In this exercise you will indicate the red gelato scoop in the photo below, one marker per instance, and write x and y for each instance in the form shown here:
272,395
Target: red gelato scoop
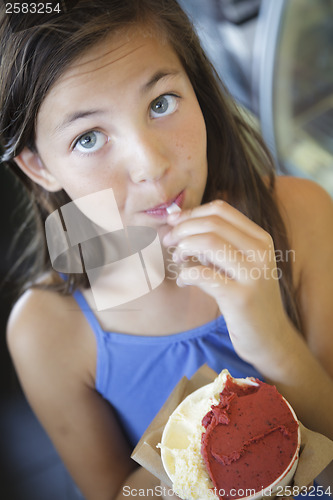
250,439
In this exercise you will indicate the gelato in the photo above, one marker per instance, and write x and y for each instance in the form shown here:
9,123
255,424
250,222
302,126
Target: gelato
233,438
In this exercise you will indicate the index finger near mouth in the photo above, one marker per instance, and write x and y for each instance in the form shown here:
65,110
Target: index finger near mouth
224,210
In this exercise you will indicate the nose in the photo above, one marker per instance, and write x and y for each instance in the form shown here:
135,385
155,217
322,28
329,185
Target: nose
148,159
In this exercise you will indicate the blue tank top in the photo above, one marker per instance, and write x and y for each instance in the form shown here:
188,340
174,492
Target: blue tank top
136,373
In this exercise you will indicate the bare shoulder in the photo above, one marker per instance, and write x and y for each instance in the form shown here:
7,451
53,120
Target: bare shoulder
52,346
303,200
44,324
307,210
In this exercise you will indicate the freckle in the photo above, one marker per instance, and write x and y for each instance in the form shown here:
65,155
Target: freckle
189,157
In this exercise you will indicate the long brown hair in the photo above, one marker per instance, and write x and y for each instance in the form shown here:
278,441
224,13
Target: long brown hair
33,58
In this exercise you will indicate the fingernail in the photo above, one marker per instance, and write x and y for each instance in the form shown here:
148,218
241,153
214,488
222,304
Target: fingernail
175,257
167,240
180,282
173,216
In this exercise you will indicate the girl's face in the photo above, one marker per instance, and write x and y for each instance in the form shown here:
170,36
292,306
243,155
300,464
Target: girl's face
125,116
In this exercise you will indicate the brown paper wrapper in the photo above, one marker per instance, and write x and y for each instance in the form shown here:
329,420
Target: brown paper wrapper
316,451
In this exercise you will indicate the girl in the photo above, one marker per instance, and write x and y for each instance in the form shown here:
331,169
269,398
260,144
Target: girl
118,94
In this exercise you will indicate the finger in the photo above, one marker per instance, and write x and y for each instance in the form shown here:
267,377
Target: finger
213,251
210,225
223,210
213,282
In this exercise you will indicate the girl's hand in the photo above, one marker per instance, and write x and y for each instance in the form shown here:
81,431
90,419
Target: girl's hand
237,267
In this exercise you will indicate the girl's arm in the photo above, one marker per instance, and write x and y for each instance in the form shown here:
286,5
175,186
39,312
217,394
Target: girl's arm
51,359
239,270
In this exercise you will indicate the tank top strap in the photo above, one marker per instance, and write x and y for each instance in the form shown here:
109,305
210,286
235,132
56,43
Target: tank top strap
102,361
87,311
85,308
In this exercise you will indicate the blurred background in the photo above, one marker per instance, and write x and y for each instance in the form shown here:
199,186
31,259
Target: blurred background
276,58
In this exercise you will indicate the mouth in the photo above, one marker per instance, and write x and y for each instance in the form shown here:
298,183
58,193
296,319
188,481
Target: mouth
160,211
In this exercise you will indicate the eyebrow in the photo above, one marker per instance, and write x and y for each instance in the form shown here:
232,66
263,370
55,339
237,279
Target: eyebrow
78,115
159,75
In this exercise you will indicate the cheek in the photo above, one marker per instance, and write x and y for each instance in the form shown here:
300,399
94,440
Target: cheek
100,181
194,144
195,130
81,178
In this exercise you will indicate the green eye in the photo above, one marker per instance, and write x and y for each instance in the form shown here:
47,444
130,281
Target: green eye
164,105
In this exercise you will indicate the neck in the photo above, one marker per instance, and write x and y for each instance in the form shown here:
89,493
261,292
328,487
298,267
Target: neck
166,310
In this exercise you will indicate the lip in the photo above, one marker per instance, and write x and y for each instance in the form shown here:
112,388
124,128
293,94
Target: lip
160,211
